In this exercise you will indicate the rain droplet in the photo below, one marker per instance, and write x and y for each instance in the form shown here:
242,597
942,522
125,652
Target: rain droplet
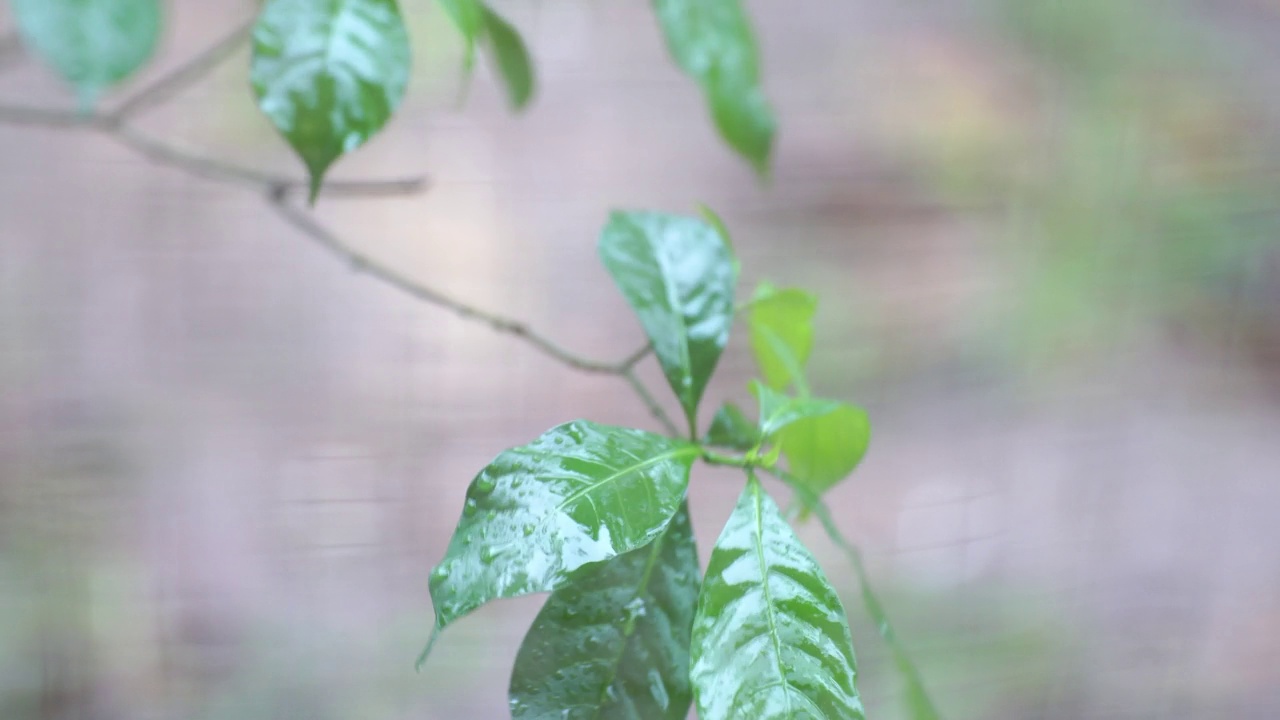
483,485
469,508
527,529
488,554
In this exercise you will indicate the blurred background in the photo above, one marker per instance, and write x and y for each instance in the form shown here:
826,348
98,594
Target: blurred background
1044,235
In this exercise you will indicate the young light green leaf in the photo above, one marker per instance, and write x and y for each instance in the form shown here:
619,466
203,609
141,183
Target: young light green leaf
770,637
92,44
511,57
712,42
678,275
781,327
579,494
329,74
468,17
821,451
777,411
615,643
732,429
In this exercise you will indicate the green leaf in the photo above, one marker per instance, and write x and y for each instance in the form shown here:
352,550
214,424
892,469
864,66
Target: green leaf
92,44
777,411
678,275
770,637
579,494
615,643
821,451
712,42
478,23
781,327
732,429
512,59
468,17
329,74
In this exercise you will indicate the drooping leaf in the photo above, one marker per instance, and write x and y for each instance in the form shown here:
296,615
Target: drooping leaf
329,74
468,17
777,411
479,24
732,429
712,42
678,275
821,451
92,44
579,494
770,637
615,643
511,57
781,325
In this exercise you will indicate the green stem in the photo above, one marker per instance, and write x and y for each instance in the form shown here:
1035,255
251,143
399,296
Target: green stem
918,701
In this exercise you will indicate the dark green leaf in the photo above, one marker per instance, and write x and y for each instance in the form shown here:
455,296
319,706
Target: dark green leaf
479,23
615,643
93,44
732,429
821,451
579,494
777,411
678,275
712,42
770,638
781,323
512,58
329,74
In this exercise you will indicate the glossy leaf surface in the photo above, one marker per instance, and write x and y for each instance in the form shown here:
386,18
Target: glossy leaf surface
777,411
92,44
821,451
678,275
781,328
329,74
579,494
712,42
731,428
770,637
615,642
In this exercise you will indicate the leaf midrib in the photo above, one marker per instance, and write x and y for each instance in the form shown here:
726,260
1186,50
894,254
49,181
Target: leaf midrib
649,565
764,587
582,492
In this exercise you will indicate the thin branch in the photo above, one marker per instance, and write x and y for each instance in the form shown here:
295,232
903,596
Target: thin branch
362,263
217,170
649,401
46,117
184,75
918,701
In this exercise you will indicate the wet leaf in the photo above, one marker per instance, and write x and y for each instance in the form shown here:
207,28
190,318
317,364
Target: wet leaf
770,637
538,514
329,74
678,275
92,44
781,328
777,411
731,428
821,451
615,643
712,42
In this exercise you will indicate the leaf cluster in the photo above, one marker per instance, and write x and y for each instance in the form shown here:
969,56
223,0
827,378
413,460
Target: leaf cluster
330,74
597,516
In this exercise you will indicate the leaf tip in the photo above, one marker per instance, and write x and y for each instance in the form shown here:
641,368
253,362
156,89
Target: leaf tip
431,643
